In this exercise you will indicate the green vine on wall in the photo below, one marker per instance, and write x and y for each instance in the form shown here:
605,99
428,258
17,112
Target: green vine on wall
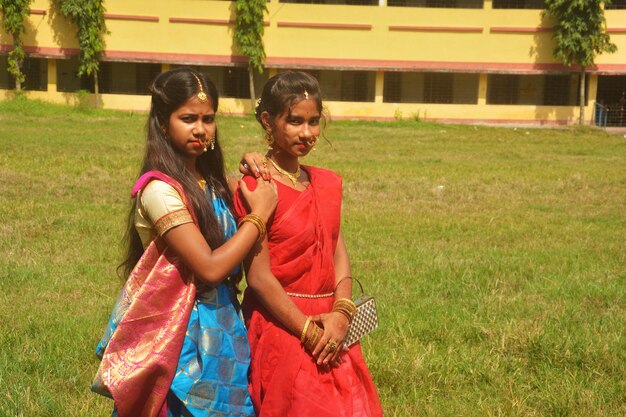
88,16
580,35
14,13
248,36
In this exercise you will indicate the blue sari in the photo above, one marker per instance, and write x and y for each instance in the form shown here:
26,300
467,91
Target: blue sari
212,372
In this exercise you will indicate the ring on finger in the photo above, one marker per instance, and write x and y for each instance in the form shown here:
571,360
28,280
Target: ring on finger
331,345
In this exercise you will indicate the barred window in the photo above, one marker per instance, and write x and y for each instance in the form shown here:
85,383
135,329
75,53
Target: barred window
126,77
612,95
443,88
616,4
231,82
345,85
519,4
346,2
68,80
35,70
539,90
451,4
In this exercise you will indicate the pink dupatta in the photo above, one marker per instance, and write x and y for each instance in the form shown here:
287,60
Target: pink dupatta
153,311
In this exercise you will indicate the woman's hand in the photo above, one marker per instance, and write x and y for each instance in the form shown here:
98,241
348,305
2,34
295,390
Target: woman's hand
335,326
255,164
263,199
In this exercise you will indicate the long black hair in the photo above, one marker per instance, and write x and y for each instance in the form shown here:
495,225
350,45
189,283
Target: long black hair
170,90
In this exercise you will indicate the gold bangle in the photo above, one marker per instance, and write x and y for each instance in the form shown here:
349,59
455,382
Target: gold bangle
257,221
306,327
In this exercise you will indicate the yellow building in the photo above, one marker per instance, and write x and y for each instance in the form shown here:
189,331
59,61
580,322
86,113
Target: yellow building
446,60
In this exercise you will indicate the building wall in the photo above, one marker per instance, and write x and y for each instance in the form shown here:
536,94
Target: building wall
336,43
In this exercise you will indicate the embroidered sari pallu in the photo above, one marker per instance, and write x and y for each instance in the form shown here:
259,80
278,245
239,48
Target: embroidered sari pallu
168,350
284,378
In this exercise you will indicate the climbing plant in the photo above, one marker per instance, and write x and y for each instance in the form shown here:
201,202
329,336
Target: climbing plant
580,35
88,16
14,13
248,36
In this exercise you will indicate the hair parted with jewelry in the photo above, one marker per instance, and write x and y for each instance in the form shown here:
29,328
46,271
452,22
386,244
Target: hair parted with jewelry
284,90
170,90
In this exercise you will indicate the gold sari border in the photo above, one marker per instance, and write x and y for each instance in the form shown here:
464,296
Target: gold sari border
171,220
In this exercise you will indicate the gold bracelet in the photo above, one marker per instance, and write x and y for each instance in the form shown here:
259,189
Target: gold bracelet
257,221
306,327
313,338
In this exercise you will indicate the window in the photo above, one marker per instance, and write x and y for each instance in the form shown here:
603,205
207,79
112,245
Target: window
346,2
430,87
617,4
452,4
519,4
126,77
231,82
346,85
35,70
538,90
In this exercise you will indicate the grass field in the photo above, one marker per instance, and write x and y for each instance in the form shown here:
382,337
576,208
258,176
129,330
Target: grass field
497,256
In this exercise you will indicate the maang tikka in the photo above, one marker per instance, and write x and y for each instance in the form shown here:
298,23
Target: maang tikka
201,94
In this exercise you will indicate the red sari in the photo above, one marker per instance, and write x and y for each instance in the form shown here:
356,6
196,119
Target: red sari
284,378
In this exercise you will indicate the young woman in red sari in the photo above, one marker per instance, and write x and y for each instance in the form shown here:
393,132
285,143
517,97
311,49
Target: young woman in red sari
297,305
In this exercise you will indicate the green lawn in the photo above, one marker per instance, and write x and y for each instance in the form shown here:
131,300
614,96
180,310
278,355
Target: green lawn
497,256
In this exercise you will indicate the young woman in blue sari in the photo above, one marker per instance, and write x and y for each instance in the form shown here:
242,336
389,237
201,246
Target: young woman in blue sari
175,344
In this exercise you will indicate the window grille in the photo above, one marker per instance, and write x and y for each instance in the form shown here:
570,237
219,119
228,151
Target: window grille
345,85
612,95
126,77
539,90
616,4
451,4
519,4
231,82
344,2
438,88
35,70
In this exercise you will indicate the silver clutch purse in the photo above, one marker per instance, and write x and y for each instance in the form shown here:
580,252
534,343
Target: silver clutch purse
365,319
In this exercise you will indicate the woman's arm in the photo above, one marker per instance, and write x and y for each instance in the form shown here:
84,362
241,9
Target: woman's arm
269,291
336,324
212,266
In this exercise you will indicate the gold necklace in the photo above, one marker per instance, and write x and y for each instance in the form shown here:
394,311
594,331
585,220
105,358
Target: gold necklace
293,177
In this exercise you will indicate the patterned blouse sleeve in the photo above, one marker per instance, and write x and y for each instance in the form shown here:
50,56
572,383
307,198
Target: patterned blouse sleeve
164,207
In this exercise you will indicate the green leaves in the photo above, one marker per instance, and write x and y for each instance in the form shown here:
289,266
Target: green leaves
14,12
88,16
580,31
249,30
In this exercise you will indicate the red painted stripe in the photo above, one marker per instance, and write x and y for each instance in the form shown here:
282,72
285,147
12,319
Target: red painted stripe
111,16
518,30
328,63
202,21
616,30
397,65
39,12
436,29
164,57
324,25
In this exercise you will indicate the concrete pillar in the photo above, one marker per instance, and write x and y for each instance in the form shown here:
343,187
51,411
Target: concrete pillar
379,87
272,72
52,75
482,89
487,5
382,3
165,67
592,96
